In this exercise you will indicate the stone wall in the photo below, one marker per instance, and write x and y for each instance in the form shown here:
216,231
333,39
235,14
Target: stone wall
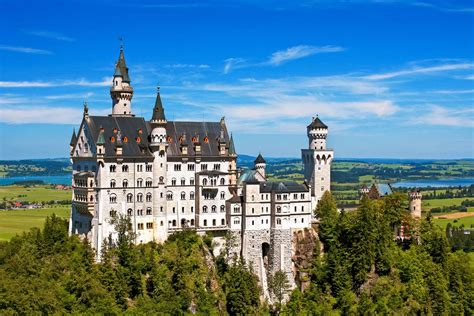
303,243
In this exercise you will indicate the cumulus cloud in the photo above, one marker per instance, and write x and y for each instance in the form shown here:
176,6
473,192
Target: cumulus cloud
442,116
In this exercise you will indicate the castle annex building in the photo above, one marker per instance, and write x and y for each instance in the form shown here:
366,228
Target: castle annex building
171,175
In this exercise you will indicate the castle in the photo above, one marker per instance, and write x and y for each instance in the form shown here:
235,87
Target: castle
168,176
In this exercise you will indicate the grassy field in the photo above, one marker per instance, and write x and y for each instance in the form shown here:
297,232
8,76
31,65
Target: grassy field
37,193
17,221
466,221
429,204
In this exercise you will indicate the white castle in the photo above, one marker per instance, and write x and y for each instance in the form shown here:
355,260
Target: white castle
173,175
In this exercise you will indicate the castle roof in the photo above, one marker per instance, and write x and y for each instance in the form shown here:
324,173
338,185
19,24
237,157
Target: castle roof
121,68
317,123
259,159
231,146
282,187
73,138
158,110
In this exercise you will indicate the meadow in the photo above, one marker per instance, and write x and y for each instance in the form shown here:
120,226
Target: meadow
43,193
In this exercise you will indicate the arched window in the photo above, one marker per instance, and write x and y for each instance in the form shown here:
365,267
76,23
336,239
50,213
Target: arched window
173,181
191,181
204,209
214,209
223,222
192,222
214,222
191,195
113,198
139,182
169,195
204,181
222,208
222,181
125,168
148,197
278,221
278,209
129,212
112,168
222,195
148,211
129,197
183,195
162,180
112,183
125,183
183,181
183,222
174,223
139,197
205,222
253,197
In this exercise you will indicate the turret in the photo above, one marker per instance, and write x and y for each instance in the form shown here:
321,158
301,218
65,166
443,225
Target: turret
415,203
121,91
101,146
317,134
233,162
72,144
260,165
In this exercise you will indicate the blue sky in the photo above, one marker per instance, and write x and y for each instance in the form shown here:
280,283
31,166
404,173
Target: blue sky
390,78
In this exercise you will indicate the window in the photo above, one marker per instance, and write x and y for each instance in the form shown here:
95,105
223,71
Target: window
182,209
149,168
302,220
129,198
204,209
204,167
278,221
253,223
214,209
222,195
217,166
177,167
205,222
149,225
295,196
112,168
183,222
125,183
174,223
191,195
192,222
112,183
148,197
125,168
253,197
173,181
148,211
214,222
161,223
113,213
113,198
222,181
222,208
148,183
169,196
322,188
191,181
139,197
140,212
278,209
253,210
192,209
129,212
302,196
140,226
296,209
139,168
162,180
183,195
302,208
237,221
139,183
236,209
204,181
190,167
183,181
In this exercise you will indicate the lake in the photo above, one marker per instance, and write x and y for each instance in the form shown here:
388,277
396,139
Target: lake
441,183
63,179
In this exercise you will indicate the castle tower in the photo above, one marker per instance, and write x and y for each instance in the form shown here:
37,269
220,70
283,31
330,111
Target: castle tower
415,203
260,165
121,91
159,145
233,162
317,160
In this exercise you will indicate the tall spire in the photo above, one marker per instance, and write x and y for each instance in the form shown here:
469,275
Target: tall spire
121,68
231,146
121,91
73,138
158,115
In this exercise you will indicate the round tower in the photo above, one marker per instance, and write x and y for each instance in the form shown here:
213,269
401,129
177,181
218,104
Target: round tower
121,91
317,134
260,165
415,203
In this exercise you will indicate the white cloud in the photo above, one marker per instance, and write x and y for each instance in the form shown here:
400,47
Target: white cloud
199,66
69,96
45,115
234,63
438,115
421,70
52,35
300,51
56,83
27,50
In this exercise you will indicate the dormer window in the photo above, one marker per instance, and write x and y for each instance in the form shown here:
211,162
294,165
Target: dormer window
138,139
206,139
125,139
169,139
112,139
115,130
